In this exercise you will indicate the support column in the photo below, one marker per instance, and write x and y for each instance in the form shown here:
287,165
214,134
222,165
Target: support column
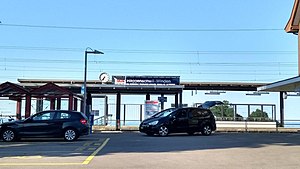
58,106
75,104
18,109
106,110
141,113
180,99
88,105
39,104
28,106
81,106
281,109
162,104
176,100
70,107
147,96
298,54
118,111
124,115
52,104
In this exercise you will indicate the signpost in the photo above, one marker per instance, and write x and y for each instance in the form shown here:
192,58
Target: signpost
147,80
162,99
151,107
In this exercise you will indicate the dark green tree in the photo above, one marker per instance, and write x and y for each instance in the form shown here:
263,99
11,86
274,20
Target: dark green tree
259,113
224,110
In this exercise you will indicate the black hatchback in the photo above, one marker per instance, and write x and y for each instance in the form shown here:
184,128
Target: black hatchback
180,120
53,123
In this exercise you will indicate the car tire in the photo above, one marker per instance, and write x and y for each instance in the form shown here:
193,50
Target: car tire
206,130
8,135
163,131
70,134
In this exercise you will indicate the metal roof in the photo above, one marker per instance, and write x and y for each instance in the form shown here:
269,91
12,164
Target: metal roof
95,86
287,85
293,24
227,86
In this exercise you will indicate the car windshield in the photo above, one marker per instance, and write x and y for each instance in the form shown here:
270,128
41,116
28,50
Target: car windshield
209,104
164,113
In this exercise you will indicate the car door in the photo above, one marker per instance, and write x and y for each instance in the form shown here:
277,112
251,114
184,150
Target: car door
194,116
62,118
41,124
180,123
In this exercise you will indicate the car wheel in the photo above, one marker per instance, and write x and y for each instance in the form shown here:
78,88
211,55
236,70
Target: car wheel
8,135
163,131
206,130
70,135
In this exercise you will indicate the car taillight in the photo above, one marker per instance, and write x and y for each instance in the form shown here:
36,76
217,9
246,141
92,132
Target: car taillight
83,121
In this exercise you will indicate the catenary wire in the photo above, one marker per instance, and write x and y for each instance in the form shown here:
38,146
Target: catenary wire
142,29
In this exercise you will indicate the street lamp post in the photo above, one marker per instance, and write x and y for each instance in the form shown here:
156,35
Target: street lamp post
88,50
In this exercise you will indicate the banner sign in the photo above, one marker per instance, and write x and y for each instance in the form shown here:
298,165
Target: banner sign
146,80
118,80
151,107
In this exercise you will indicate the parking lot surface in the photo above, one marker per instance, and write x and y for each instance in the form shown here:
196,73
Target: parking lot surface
136,150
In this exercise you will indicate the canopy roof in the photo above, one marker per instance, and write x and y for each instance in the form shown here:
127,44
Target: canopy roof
293,23
287,85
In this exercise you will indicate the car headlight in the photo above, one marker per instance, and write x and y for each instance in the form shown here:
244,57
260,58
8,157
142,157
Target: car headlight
153,123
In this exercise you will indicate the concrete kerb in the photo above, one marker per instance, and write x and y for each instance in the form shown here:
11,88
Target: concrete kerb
97,129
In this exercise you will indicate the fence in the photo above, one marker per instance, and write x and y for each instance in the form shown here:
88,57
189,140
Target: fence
133,114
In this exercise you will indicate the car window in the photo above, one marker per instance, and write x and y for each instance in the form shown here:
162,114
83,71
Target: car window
63,115
182,113
83,115
195,113
44,116
199,113
164,113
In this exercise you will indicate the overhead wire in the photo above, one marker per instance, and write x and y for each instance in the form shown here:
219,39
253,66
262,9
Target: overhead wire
158,63
142,29
134,51
152,51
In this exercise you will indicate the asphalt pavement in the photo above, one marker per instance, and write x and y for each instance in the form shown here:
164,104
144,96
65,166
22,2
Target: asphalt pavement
131,149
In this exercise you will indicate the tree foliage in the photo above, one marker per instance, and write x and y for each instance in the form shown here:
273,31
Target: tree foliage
224,110
259,113
227,111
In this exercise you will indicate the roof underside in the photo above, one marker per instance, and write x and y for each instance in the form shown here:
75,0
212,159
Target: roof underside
98,87
288,85
293,24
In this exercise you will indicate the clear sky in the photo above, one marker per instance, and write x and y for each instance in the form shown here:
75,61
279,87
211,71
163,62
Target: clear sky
198,40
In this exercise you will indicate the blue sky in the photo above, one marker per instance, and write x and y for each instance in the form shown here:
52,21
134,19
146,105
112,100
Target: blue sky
198,40
262,56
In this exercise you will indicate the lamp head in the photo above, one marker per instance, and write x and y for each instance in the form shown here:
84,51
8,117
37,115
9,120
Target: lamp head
97,52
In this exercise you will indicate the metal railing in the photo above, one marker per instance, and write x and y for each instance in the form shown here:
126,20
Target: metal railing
133,114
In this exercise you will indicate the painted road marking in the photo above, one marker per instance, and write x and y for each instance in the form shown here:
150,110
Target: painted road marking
91,149
88,144
85,162
27,157
38,164
80,149
90,158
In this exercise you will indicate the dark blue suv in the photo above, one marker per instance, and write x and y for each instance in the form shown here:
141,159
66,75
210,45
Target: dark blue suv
181,120
53,123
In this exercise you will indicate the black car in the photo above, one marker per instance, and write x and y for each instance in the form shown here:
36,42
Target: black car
178,120
53,123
